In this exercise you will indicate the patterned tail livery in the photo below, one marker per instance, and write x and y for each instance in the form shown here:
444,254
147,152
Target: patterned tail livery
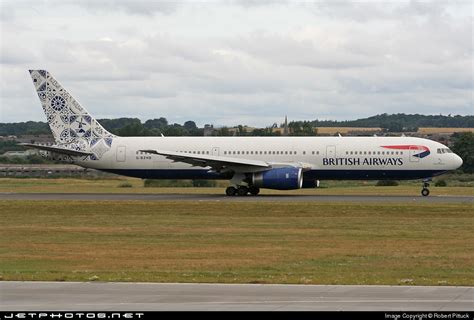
72,126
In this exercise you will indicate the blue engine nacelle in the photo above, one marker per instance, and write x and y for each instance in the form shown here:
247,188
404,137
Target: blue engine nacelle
279,178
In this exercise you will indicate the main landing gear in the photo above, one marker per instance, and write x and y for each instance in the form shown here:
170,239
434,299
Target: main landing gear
242,191
425,191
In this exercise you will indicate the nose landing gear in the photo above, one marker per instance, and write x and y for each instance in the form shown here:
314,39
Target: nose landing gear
425,191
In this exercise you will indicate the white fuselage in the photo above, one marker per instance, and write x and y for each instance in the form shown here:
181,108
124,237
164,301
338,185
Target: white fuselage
274,162
324,157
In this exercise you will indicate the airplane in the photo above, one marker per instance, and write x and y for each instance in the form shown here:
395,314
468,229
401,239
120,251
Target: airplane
249,163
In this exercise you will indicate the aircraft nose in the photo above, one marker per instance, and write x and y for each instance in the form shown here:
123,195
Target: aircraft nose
457,161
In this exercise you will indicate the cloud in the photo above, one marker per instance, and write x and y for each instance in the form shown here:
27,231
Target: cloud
134,7
240,62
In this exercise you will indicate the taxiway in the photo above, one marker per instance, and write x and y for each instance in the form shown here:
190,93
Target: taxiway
92,296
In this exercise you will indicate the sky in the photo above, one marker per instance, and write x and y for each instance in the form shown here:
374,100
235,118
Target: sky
240,62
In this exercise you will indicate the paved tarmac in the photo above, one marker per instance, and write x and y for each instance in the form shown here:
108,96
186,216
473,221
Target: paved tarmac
219,197
93,296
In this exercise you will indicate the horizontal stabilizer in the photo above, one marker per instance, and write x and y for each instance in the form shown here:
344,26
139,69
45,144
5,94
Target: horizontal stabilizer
56,149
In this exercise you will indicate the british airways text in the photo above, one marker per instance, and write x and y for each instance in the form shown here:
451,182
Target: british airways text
364,161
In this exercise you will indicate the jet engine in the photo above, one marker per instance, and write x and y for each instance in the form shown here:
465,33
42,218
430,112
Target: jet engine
287,178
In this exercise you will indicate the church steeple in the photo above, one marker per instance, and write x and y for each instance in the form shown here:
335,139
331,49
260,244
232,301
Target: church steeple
285,128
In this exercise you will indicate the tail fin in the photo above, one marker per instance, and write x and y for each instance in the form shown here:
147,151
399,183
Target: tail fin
71,124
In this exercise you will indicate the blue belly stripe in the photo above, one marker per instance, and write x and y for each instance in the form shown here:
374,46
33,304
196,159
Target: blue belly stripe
310,175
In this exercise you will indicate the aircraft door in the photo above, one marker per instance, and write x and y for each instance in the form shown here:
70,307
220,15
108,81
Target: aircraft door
121,153
215,151
413,151
330,151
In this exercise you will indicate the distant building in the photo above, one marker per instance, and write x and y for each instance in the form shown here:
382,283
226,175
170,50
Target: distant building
20,154
36,138
282,130
209,130
8,138
245,129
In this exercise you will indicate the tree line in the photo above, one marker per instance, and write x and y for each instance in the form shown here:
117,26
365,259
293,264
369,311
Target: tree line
134,127
402,122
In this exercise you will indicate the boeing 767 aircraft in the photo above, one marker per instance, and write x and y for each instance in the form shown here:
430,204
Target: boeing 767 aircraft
250,163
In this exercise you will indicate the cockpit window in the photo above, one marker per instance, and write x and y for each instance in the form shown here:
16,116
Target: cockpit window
444,150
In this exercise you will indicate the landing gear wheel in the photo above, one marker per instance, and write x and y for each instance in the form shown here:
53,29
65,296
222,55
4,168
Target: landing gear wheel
425,192
242,191
231,191
254,191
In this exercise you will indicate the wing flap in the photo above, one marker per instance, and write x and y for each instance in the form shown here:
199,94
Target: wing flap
216,162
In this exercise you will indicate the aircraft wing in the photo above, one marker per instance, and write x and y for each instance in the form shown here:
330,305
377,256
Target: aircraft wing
215,162
57,149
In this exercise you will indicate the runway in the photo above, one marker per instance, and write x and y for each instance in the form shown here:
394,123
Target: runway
92,296
221,197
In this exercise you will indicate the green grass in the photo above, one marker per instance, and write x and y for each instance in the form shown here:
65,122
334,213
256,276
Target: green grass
244,242
136,186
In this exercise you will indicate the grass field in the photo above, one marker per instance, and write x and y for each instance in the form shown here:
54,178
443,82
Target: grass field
245,242
113,186
431,130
